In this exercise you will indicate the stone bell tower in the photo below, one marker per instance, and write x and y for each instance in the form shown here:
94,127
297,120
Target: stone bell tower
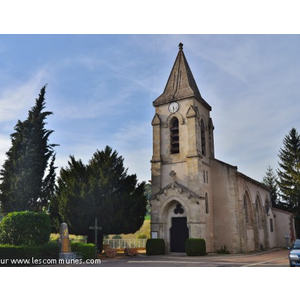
183,145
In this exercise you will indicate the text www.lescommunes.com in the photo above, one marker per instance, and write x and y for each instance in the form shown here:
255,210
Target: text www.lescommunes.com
46,261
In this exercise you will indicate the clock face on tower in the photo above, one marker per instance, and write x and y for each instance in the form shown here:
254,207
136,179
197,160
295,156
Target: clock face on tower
173,107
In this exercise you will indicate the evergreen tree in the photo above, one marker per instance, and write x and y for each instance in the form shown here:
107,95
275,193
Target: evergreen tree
72,203
101,189
24,184
270,180
289,173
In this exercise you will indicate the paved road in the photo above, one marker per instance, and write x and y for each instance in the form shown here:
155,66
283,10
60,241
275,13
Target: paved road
275,258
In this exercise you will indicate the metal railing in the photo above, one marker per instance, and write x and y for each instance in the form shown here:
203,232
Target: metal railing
119,243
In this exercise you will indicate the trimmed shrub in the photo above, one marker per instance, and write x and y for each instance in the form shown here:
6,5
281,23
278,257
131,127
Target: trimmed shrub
25,228
11,251
155,246
49,250
88,250
195,247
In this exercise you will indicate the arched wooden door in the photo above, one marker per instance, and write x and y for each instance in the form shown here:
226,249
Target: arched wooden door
179,232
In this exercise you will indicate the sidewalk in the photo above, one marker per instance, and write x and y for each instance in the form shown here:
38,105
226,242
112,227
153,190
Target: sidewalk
210,254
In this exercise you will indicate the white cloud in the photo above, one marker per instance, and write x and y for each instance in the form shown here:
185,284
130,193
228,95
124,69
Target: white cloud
17,99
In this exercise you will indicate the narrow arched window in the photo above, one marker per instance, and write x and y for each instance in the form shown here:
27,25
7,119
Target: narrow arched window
206,204
257,208
203,144
259,211
271,225
174,131
267,206
246,209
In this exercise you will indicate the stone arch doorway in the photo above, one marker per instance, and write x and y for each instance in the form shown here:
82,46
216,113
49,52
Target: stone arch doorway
179,232
174,217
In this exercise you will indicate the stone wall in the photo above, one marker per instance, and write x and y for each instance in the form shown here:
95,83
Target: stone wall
284,226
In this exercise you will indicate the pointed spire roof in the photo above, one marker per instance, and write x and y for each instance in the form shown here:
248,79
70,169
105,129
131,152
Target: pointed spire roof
181,83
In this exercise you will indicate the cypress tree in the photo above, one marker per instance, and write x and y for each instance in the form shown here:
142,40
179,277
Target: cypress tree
24,182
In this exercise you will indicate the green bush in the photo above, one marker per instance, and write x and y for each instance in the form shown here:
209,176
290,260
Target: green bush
117,237
11,251
49,250
88,250
155,246
142,236
25,228
195,247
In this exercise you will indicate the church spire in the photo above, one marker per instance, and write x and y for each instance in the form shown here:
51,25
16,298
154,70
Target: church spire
181,83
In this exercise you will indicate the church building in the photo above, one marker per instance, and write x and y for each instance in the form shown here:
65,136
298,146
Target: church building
195,195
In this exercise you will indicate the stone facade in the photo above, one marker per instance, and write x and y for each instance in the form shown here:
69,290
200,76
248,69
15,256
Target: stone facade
194,194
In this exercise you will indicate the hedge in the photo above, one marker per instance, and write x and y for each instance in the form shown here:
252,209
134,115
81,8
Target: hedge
25,255
195,247
88,251
25,228
155,246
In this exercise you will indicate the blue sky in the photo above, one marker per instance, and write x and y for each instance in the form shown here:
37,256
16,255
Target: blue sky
101,88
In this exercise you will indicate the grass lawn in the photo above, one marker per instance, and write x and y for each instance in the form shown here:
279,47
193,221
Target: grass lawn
144,230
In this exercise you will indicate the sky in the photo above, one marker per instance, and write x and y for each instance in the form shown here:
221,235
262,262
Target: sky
100,88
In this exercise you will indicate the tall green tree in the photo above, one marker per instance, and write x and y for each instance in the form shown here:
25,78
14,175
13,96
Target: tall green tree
101,189
28,174
289,174
270,180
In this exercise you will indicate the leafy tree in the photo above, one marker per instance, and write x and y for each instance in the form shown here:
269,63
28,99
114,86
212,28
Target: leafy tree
24,184
101,189
289,173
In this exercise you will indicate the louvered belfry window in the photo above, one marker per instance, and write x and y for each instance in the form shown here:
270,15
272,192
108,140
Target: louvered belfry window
203,143
174,128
